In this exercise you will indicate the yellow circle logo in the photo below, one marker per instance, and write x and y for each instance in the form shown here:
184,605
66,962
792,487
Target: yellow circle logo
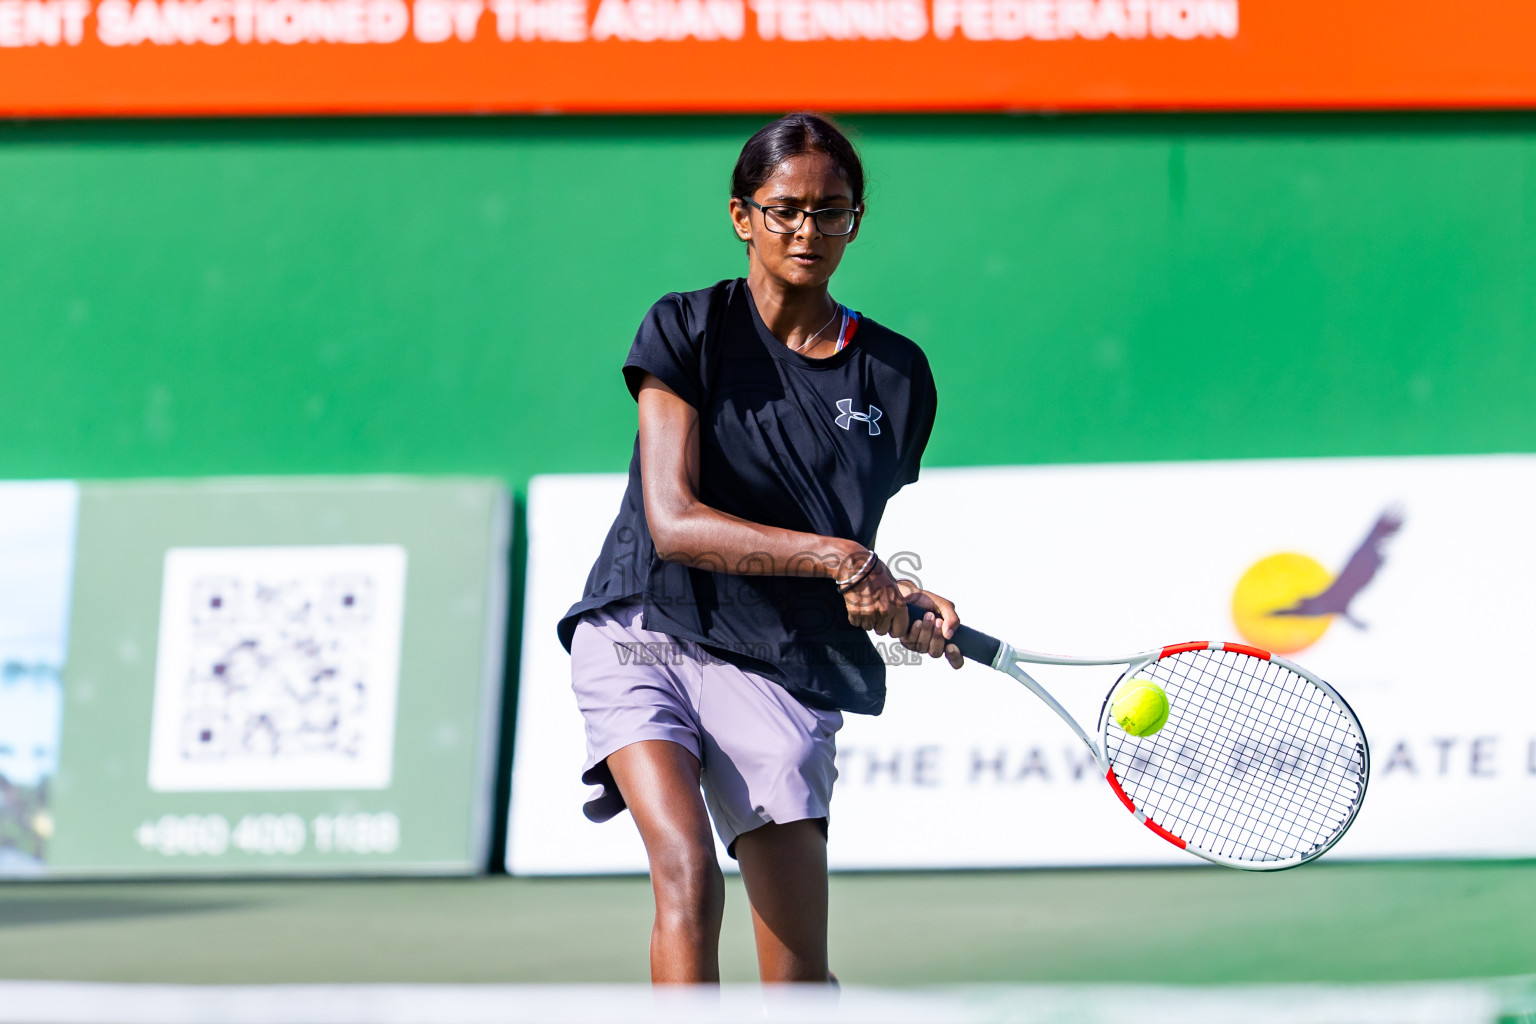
1274,584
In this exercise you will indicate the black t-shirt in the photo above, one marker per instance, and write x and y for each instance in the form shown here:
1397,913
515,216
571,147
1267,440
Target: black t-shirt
815,445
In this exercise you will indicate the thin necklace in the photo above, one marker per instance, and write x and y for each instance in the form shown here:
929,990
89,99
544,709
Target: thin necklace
837,308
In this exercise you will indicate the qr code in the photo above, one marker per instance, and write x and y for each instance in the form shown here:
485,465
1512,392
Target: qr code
277,668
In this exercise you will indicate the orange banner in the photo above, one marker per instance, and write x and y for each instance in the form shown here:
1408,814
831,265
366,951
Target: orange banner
192,57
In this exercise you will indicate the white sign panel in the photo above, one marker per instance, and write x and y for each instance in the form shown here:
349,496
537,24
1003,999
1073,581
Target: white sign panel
277,668
37,557
1409,583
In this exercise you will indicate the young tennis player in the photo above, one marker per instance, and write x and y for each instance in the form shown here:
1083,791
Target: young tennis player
775,423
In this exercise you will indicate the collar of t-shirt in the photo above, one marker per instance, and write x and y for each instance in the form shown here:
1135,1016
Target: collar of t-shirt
845,331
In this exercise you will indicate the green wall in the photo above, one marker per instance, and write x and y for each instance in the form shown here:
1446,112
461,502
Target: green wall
456,295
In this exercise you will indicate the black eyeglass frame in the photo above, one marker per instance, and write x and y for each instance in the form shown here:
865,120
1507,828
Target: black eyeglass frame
852,226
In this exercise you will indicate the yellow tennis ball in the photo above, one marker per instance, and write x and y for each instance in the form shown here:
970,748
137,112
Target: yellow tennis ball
1140,707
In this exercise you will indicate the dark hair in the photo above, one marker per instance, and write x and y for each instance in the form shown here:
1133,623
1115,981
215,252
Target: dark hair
792,135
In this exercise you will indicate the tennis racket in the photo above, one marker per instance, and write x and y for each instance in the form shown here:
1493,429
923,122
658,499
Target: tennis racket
1261,764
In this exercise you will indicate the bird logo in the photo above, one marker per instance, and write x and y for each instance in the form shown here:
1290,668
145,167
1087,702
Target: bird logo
1286,602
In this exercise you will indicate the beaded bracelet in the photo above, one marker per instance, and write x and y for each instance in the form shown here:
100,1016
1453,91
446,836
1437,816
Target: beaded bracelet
843,586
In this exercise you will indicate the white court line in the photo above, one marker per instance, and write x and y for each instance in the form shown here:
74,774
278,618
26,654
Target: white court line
66,1002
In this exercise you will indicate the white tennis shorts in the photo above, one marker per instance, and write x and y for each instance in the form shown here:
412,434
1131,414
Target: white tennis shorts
766,757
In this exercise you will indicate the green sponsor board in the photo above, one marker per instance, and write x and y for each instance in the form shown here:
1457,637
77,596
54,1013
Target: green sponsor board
296,675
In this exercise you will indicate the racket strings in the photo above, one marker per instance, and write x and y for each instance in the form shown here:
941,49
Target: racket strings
1276,764
1287,766
1279,765
1255,763
1235,812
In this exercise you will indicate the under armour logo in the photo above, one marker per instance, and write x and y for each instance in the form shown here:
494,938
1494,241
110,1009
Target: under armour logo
846,416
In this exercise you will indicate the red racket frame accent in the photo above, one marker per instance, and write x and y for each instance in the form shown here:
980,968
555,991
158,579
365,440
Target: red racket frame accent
1193,645
1155,827
1114,784
1207,645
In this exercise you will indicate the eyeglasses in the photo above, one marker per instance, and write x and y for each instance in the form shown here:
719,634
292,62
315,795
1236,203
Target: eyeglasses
786,220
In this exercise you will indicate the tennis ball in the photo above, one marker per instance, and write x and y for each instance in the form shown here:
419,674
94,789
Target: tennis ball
1140,707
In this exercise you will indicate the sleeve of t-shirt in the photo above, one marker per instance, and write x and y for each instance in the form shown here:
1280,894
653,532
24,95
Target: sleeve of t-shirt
667,345
925,403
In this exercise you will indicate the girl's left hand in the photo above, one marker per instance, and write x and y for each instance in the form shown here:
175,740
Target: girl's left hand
930,634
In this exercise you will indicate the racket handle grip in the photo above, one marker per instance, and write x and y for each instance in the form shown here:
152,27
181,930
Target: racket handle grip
973,643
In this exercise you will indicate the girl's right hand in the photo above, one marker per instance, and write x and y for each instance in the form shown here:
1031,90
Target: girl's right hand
875,603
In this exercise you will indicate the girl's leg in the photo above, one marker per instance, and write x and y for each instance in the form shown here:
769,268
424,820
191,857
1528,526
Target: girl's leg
660,782
784,868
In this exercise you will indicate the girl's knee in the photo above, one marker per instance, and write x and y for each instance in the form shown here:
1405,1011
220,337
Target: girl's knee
687,880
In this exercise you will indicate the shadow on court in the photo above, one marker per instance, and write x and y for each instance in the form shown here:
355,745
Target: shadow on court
19,910
1335,922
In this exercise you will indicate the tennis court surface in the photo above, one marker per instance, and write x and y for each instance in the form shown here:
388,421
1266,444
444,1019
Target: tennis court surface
1331,942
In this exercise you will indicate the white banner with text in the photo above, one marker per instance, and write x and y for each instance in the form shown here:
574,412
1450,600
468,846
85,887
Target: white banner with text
1408,583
